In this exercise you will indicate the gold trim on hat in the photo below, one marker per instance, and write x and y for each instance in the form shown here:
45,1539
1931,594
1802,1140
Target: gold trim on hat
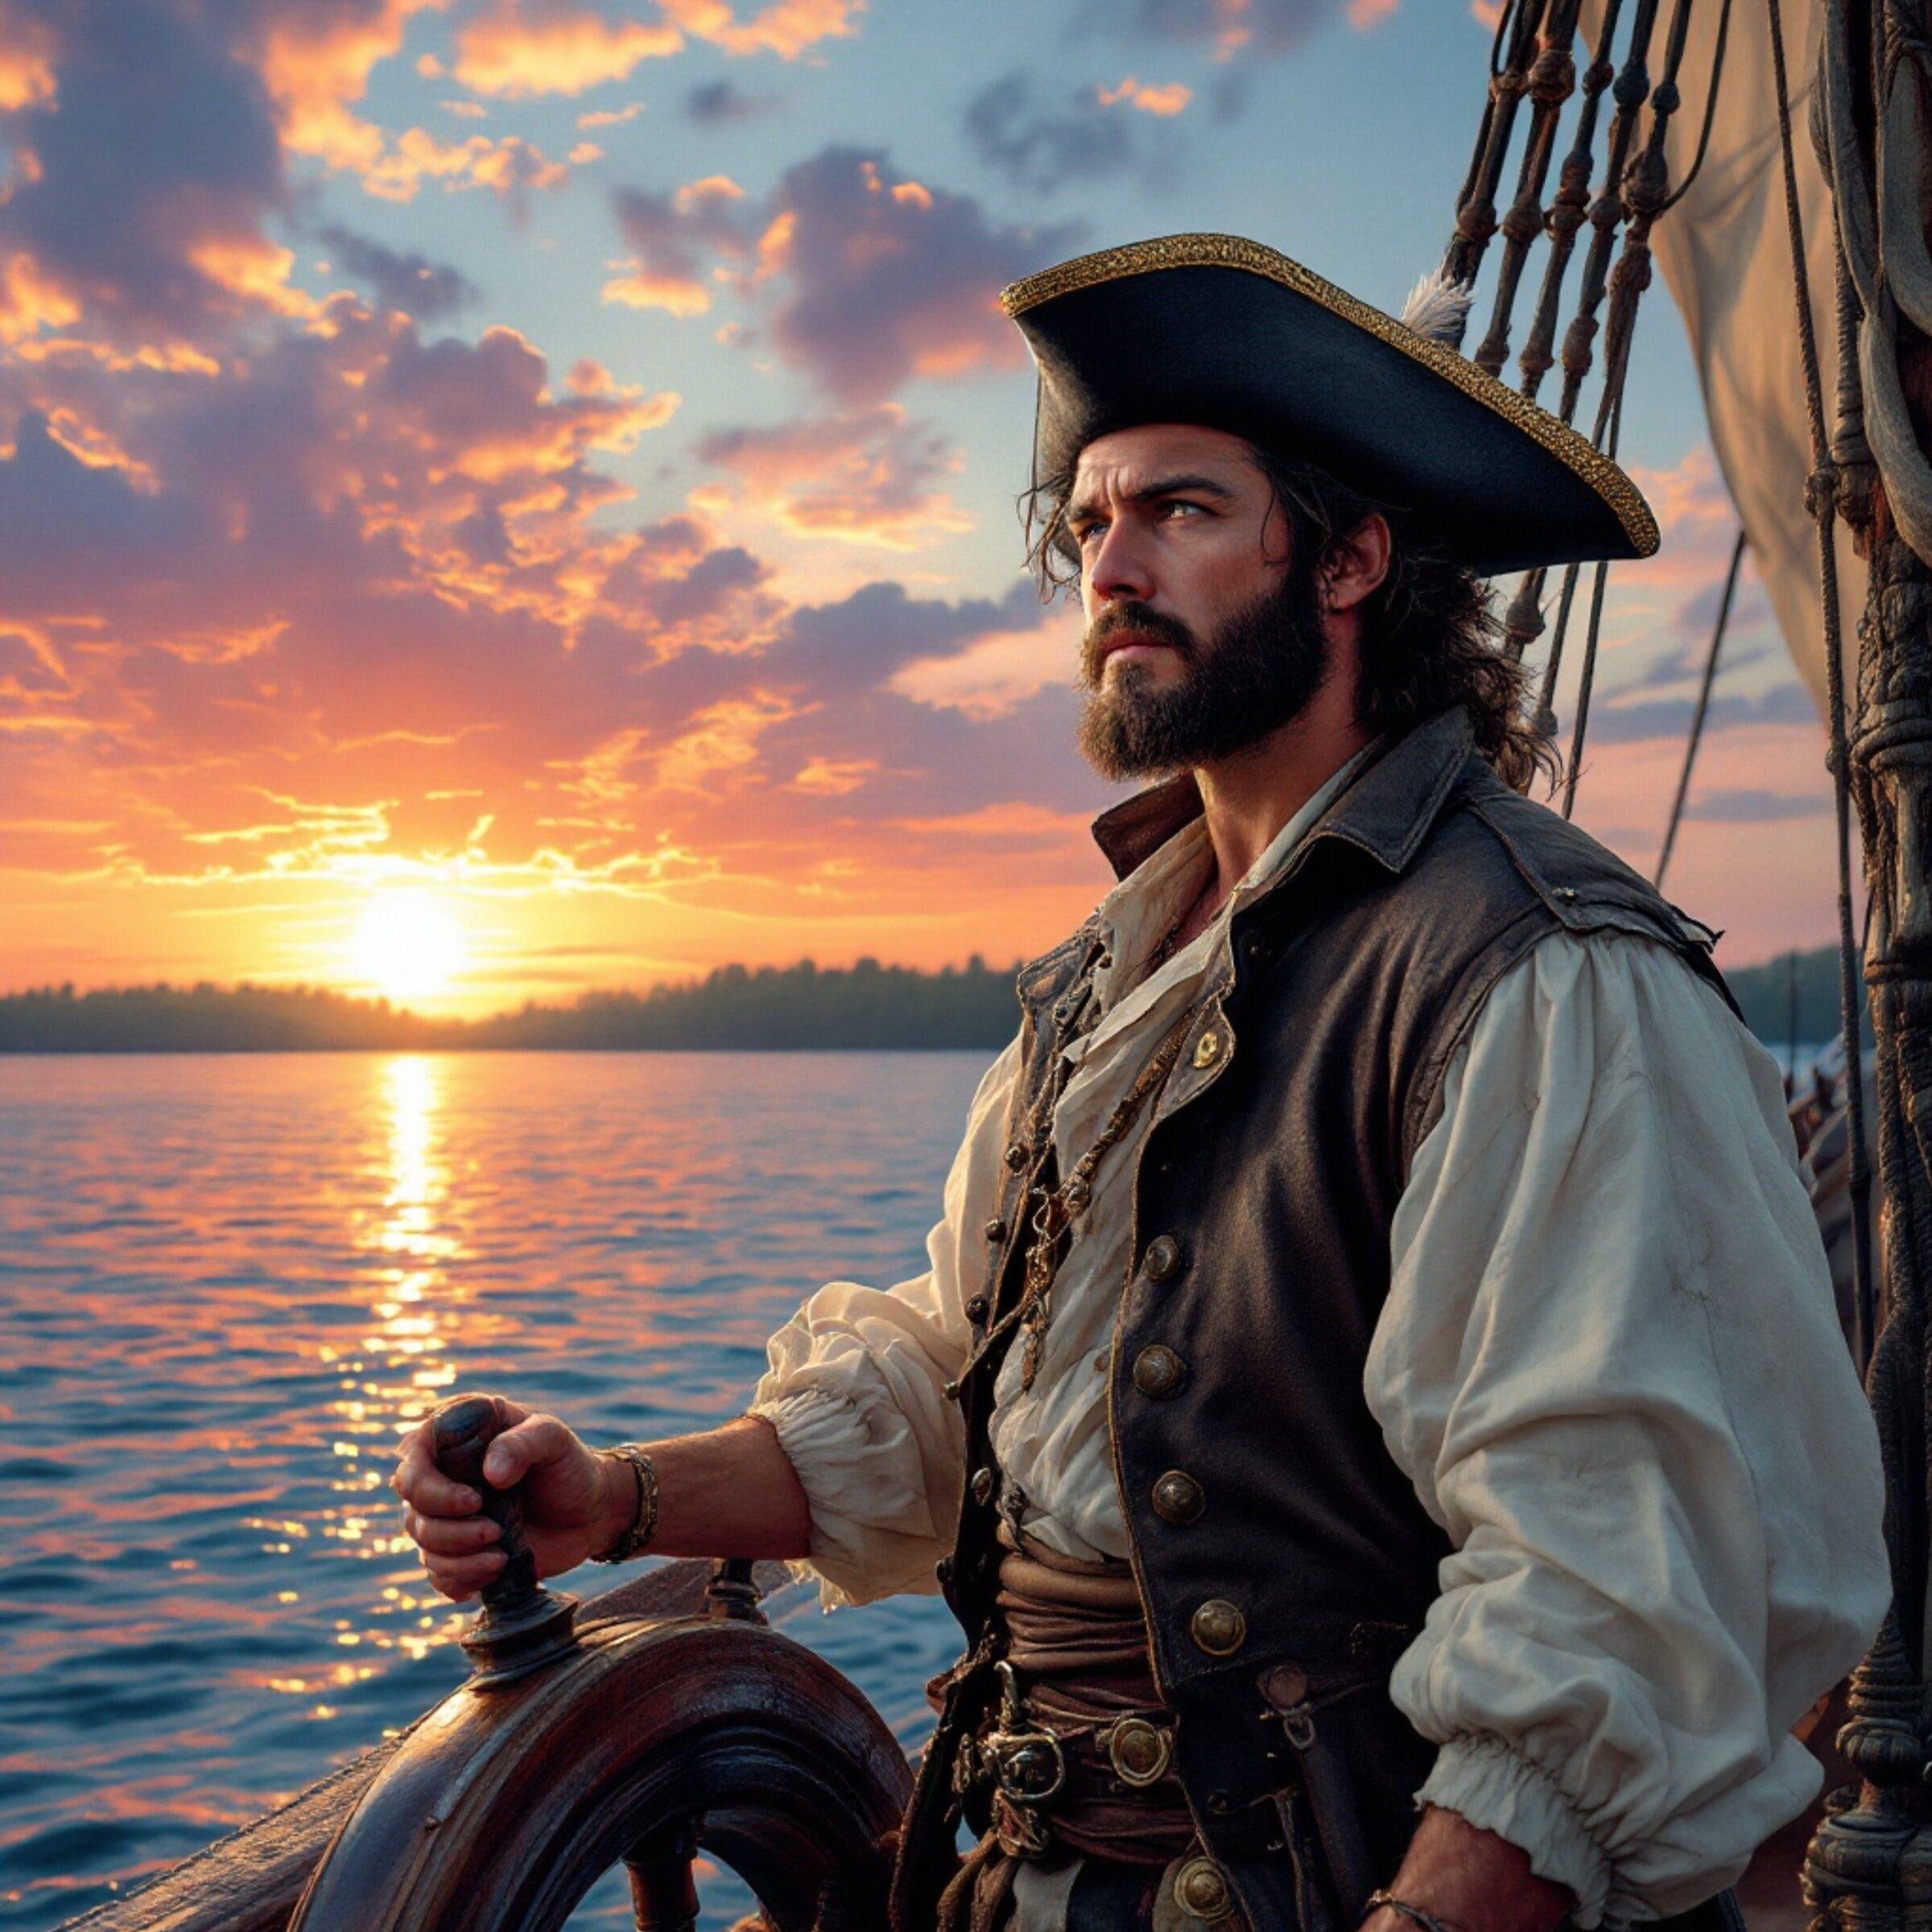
1575,453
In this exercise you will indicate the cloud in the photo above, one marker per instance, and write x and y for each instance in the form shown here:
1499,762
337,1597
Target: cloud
1042,148
861,476
867,277
1744,805
1252,28
672,234
1165,101
427,290
721,104
316,63
997,672
549,47
784,27
154,160
614,117
880,278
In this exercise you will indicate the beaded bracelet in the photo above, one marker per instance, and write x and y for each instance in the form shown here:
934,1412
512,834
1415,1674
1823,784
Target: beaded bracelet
1422,1921
644,1520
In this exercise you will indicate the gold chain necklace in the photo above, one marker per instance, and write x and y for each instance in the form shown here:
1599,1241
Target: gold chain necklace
1055,1211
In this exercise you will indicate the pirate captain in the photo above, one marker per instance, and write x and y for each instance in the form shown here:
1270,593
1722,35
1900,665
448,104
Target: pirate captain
1375,1402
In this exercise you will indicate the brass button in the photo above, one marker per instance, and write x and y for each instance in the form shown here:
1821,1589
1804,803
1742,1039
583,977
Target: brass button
995,1229
1178,1498
1217,1628
1207,1048
1284,1686
1201,1889
984,1481
1139,1751
1162,1260
1016,1157
1159,1371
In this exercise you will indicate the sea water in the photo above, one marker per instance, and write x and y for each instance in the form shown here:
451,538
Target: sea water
227,1285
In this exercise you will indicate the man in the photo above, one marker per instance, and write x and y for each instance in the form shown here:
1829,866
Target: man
1377,1353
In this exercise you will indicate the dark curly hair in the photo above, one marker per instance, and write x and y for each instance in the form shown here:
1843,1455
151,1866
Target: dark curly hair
1430,637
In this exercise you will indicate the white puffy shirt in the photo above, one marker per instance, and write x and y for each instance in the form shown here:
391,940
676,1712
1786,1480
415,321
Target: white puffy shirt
1609,1362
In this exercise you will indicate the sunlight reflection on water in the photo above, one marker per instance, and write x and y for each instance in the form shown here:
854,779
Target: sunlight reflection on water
228,1283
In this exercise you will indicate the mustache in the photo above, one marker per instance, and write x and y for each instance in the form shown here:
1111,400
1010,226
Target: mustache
1140,621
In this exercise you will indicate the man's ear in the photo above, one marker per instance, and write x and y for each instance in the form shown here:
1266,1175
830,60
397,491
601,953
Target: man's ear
1357,564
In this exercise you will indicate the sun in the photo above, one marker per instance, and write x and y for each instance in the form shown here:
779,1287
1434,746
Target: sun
409,946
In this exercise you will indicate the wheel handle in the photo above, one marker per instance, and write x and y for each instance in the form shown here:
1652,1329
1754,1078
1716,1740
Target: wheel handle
521,1626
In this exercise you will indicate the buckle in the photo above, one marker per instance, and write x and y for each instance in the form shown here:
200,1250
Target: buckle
1027,1762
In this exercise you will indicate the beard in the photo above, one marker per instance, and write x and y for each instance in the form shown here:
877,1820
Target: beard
1257,671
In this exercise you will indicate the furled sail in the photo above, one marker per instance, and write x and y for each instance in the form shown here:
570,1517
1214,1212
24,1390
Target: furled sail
1725,254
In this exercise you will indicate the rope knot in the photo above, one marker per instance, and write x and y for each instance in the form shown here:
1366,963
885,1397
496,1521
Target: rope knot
1821,491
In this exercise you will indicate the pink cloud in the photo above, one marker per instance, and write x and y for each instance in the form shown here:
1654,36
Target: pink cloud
1165,100
862,477
784,27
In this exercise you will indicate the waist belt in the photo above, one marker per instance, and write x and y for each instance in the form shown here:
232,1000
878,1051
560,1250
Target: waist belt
1080,1754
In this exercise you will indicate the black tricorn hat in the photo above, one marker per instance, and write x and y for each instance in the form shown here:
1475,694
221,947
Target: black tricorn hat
1218,331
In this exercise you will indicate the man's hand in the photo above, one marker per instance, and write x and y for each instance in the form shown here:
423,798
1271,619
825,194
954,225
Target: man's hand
1471,1880
574,1502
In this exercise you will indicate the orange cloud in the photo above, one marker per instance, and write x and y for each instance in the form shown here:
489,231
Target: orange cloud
507,164
610,117
834,777
31,300
784,27
27,61
864,477
1165,100
723,741
997,674
316,62
254,268
514,53
1365,14
635,286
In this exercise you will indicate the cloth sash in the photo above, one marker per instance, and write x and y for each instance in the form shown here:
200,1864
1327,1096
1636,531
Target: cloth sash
1076,1638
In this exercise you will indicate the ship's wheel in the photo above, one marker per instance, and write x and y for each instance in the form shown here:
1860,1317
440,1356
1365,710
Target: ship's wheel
643,1741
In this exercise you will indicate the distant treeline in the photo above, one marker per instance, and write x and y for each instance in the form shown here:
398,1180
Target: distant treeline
802,1007
1765,994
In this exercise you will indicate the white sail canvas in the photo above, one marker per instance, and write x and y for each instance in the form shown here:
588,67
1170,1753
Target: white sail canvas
1725,254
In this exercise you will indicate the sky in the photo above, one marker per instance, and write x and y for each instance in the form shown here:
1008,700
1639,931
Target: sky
499,499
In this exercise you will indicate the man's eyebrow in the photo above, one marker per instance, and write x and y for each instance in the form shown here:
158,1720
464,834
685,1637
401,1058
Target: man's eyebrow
1161,486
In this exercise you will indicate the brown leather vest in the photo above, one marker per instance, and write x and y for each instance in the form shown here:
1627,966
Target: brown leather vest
1276,1543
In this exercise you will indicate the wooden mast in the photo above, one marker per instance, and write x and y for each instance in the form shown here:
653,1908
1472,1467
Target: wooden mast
1869,1863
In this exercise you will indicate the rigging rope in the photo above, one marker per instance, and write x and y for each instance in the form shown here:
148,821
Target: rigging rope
1697,721
1823,500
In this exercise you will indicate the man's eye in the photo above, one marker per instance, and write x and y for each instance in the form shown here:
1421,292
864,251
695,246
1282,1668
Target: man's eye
1086,531
1179,508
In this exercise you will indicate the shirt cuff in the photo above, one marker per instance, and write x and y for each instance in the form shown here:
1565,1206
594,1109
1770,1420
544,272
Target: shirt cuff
1489,1782
827,1439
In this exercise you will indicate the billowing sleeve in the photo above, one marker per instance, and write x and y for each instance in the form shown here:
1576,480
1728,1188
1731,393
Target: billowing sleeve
1611,1364
854,1388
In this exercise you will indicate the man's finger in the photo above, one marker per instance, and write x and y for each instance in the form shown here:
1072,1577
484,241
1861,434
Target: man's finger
453,1536
459,1575
419,1481
531,1445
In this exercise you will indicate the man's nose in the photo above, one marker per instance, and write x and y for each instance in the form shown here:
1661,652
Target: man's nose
1120,568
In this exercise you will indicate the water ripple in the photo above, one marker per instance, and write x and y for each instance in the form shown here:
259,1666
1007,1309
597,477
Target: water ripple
228,1283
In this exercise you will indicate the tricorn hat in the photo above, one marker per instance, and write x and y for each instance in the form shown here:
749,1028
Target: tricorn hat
1222,331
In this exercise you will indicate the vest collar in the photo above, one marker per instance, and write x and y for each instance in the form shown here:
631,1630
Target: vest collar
1387,811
